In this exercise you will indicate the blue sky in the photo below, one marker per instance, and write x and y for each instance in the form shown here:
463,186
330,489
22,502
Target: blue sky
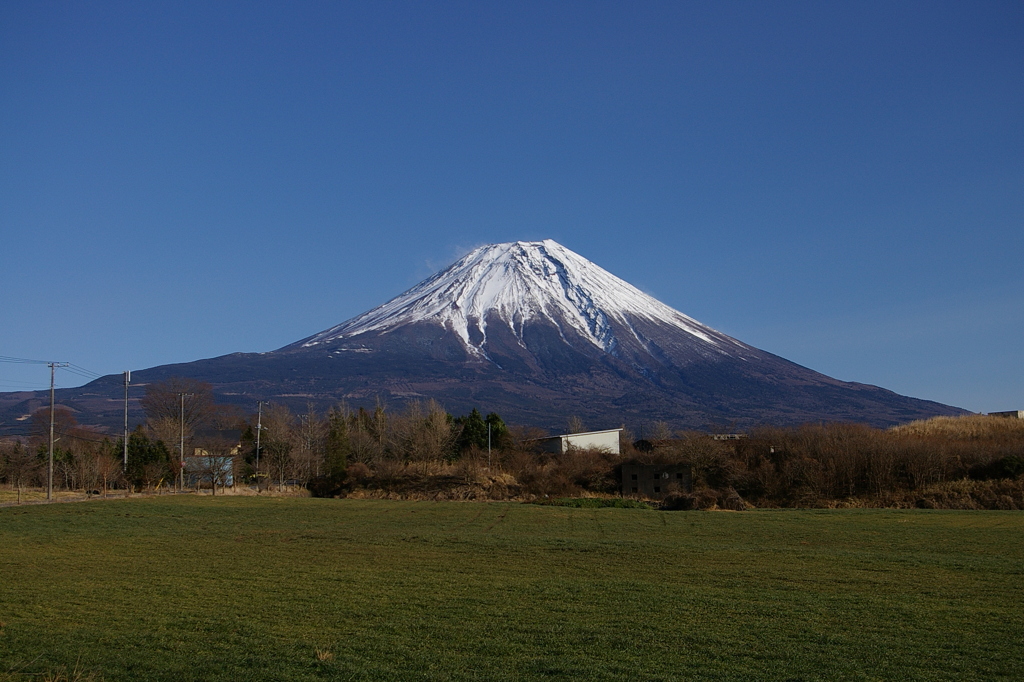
841,184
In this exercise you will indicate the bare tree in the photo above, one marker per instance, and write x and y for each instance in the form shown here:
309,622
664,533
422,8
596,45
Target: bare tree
163,401
660,431
20,465
75,446
214,461
278,442
86,463
176,408
309,454
108,468
366,435
64,422
424,432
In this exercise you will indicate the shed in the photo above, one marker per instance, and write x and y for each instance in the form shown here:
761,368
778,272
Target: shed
205,467
590,440
1012,414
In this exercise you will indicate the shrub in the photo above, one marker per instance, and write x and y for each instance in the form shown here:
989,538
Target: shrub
1011,466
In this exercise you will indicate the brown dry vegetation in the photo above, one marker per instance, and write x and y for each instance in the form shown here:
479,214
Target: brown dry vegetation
965,462
951,463
516,473
421,452
972,427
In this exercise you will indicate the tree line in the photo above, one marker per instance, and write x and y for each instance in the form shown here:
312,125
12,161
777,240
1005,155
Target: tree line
189,439
967,462
423,451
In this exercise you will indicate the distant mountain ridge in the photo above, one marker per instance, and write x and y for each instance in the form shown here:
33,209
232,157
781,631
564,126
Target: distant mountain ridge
537,333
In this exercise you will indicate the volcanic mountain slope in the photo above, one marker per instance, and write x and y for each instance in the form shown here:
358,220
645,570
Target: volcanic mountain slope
536,332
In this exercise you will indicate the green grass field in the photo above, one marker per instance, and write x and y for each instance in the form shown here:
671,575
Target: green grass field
235,588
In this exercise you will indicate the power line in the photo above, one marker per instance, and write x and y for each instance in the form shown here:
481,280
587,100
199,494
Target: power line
22,385
68,367
82,372
84,376
105,438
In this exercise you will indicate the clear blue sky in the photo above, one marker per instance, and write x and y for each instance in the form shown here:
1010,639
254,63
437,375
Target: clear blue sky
841,184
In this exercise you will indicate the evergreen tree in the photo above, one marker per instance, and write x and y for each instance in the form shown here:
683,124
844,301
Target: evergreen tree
20,466
338,447
474,431
500,436
148,460
247,444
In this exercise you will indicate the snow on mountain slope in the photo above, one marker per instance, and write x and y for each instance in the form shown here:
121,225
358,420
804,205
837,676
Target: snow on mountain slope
518,282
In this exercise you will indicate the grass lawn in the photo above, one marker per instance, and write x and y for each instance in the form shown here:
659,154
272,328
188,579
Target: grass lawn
241,588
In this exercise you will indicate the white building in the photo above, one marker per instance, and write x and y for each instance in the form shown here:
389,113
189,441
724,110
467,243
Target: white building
1012,414
591,440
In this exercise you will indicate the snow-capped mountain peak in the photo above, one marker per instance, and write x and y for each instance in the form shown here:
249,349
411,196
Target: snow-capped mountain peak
536,333
519,282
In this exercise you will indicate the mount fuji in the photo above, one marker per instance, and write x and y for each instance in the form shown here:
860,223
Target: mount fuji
537,333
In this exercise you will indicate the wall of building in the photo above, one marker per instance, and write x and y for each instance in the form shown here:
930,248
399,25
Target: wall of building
655,482
595,440
591,440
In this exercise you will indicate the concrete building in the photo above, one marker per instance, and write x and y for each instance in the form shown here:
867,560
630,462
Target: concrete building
655,482
1012,414
591,440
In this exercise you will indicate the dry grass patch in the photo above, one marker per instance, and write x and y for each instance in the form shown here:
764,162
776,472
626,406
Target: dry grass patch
973,427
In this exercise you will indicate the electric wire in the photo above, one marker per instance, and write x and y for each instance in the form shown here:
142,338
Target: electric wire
22,361
90,376
24,385
100,438
67,366
83,370
70,368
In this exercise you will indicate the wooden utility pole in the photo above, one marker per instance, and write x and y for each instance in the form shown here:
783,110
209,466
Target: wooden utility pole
181,446
127,380
259,427
49,466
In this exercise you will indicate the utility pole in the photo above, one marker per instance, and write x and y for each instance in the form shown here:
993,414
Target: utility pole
181,446
488,445
49,466
259,427
127,380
